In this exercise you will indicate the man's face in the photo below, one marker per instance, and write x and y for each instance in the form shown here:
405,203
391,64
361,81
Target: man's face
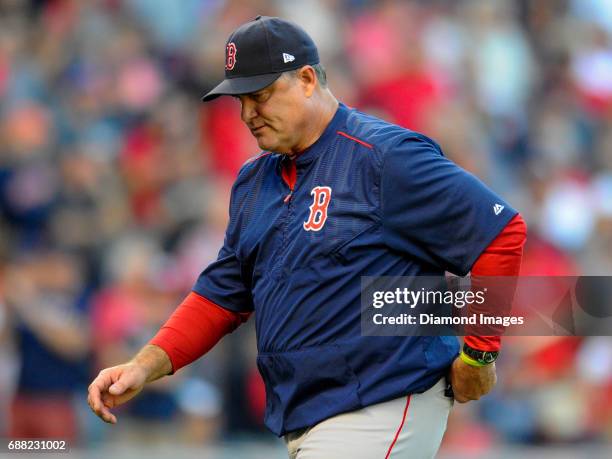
275,115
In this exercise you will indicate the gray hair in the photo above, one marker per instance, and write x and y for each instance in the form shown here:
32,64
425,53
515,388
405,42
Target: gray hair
319,71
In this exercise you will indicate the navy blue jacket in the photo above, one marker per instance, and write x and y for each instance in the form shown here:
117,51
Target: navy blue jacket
398,207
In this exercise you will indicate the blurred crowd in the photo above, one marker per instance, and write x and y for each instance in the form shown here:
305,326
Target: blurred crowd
115,178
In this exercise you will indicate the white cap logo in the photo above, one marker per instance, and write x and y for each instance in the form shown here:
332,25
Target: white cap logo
288,57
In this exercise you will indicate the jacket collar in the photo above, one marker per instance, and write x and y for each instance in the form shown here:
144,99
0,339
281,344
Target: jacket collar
320,145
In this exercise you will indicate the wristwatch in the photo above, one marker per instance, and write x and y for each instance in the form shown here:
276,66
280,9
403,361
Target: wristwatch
479,358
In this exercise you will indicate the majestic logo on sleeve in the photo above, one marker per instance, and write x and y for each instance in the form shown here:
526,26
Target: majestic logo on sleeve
230,57
497,208
318,209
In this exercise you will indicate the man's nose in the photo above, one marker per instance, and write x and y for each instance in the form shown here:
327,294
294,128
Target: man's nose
248,111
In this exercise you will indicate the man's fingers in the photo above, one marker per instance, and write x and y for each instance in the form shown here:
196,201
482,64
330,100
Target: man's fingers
128,380
118,388
97,388
109,417
124,383
112,387
463,398
106,415
102,411
471,383
109,400
93,397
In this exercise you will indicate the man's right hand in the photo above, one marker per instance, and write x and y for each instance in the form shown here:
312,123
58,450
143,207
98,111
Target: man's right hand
114,386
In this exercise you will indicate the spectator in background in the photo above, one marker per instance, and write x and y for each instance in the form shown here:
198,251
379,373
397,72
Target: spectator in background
8,360
132,302
390,67
48,306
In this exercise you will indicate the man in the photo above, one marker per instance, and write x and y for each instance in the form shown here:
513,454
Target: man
334,196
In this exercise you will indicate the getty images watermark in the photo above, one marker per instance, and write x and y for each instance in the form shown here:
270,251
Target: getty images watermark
484,306
459,299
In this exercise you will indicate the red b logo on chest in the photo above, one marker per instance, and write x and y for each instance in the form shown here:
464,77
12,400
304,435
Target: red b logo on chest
318,209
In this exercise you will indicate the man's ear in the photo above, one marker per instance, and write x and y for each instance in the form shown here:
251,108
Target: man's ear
308,79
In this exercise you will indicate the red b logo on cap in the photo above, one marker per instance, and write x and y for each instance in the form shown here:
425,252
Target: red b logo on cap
230,60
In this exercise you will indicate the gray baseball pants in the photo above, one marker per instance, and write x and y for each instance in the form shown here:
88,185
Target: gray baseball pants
409,427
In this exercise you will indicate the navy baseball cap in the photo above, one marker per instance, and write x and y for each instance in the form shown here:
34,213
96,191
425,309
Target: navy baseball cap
258,52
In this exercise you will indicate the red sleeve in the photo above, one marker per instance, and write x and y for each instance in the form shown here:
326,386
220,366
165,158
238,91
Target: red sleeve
501,258
194,328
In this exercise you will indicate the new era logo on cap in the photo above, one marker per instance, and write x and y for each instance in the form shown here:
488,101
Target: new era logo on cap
497,208
288,57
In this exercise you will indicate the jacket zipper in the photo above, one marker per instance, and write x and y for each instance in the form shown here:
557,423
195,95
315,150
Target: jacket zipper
289,174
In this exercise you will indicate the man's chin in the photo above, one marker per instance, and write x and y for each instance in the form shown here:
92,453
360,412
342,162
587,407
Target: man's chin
262,143
270,145
266,144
